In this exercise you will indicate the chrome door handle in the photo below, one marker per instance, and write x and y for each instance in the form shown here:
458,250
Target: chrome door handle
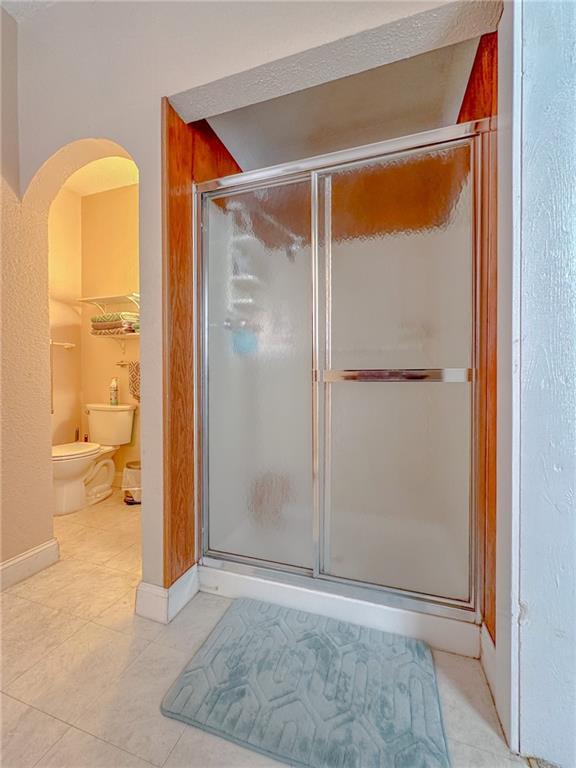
447,375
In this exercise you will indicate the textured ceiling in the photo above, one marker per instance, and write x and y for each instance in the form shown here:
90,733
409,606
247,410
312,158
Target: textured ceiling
413,28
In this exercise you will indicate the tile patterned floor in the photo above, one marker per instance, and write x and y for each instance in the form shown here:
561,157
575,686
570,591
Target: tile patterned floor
82,676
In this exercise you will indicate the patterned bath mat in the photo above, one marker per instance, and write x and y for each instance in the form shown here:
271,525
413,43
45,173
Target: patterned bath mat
314,692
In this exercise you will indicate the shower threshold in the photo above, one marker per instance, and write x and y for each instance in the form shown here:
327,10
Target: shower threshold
301,578
443,627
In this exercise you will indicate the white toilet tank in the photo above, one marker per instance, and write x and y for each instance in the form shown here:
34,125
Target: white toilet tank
110,424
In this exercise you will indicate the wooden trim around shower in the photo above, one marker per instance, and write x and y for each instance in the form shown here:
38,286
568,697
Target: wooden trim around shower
481,94
480,101
190,153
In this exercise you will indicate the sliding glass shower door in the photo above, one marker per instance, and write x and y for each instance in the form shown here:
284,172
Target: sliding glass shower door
259,343
398,250
339,343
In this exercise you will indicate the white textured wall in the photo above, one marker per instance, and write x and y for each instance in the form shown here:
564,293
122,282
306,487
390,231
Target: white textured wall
25,419
548,384
64,286
9,117
100,70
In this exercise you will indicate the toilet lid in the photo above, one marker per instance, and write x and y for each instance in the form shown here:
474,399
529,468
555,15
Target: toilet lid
73,450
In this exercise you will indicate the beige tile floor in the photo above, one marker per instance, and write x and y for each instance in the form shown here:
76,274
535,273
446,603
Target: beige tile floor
82,676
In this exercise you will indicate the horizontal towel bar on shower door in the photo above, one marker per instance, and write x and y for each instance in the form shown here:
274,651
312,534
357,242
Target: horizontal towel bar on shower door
448,375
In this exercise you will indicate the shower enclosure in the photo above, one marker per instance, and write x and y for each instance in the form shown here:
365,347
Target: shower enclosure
338,342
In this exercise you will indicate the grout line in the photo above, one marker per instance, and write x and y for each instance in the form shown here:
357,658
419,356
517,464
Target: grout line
90,565
47,653
104,565
114,676
510,756
36,602
66,612
94,619
47,714
121,634
169,755
5,624
108,529
98,738
118,554
92,570
58,740
67,639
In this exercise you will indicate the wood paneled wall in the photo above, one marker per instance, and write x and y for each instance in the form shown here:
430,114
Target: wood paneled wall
481,95
481,100
191,152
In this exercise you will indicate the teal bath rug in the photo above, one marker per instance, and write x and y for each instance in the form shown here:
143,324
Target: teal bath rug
314,692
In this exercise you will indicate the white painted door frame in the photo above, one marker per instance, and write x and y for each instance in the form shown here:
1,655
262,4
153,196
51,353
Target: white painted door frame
532,671
500,662
546,535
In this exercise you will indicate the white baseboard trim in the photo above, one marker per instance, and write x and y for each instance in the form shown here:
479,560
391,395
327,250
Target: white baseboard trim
162,604
496,682
488,658
28,563
444,634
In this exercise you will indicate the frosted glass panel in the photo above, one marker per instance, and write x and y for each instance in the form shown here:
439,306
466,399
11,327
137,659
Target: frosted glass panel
398,243
401,261
398,486
258,261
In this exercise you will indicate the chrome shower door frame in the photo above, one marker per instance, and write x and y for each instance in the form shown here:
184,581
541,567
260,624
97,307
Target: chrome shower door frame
479,135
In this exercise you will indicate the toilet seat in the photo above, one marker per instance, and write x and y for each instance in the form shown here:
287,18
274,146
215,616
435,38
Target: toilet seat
74,450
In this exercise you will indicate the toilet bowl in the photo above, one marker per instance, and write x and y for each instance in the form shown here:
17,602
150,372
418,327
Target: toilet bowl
83,473
73,465
98,481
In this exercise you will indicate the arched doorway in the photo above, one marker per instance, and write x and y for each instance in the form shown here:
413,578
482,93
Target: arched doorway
29,517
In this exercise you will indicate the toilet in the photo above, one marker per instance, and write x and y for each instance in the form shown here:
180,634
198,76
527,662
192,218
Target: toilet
83,473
